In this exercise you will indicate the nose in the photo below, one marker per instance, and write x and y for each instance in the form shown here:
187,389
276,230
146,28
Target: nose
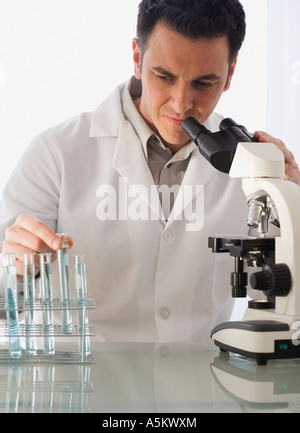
182,98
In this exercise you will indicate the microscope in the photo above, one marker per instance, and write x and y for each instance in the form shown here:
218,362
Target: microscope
270,328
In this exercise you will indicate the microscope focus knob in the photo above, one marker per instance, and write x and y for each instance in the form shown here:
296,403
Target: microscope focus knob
273,280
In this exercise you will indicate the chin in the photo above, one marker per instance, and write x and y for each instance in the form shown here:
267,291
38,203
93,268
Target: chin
175,140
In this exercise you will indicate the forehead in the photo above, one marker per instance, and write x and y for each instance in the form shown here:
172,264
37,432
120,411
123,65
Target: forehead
167,47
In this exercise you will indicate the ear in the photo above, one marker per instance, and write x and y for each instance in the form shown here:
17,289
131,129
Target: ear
231,72
137,56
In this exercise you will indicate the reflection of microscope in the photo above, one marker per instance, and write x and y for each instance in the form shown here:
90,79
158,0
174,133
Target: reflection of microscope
271,328
274,388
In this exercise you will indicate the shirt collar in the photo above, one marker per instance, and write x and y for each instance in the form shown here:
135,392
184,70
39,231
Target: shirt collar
133,91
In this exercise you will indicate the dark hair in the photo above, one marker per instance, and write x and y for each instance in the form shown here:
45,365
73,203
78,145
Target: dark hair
194,19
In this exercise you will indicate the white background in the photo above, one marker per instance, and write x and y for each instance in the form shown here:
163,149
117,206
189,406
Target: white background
62,57
284,72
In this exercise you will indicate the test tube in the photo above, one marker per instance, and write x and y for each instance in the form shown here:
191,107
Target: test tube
10,287
29,298
81,301
64,286
47,303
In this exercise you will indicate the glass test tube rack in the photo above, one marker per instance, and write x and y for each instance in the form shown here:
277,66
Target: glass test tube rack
25,334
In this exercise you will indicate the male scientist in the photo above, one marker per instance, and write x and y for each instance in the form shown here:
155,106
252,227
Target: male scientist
133,192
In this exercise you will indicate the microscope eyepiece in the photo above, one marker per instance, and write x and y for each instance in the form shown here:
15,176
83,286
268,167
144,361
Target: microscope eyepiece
238,131
228,123
193,128
218,148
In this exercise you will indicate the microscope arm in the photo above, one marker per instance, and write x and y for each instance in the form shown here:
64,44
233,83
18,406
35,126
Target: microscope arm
286,196
261,166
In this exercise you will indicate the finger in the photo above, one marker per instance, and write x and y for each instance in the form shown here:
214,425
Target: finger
20,240
292,170
40,230
17,239
263,137
66,241
37,232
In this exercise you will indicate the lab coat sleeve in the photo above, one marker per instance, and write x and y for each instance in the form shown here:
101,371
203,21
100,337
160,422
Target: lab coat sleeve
33,189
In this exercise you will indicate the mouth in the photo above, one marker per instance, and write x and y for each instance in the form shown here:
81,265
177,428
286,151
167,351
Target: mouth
174,121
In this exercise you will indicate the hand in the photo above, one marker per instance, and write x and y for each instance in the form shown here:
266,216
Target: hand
291,166
30,235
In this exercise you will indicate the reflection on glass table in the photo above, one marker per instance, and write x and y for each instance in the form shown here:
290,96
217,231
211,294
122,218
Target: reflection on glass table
48,388
271,388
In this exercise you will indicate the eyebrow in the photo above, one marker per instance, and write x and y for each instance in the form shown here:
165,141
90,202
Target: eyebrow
163,71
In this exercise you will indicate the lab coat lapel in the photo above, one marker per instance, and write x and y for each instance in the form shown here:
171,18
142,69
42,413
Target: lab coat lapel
130,162
197,175
106,119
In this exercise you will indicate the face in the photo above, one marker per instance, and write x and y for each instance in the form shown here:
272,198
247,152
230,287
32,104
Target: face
180,78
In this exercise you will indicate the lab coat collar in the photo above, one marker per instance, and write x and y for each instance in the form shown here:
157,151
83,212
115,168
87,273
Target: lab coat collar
131,163
106,119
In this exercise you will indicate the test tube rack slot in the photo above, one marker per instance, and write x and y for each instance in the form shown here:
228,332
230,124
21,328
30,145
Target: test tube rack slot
55,305
38,331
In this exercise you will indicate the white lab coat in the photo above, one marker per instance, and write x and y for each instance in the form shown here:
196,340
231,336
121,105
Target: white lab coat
152,280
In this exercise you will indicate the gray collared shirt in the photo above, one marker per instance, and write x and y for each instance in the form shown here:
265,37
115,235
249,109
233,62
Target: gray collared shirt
166,169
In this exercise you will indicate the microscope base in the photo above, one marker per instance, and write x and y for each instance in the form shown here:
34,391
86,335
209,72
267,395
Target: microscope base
258,339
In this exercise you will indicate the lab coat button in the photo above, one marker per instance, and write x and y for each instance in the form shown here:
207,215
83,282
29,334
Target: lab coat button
163,351
168,236
164,313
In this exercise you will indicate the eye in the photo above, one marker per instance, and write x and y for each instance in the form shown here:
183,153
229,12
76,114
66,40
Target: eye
165,78
204,84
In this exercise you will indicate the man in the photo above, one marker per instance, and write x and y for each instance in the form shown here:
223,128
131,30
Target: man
131,190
